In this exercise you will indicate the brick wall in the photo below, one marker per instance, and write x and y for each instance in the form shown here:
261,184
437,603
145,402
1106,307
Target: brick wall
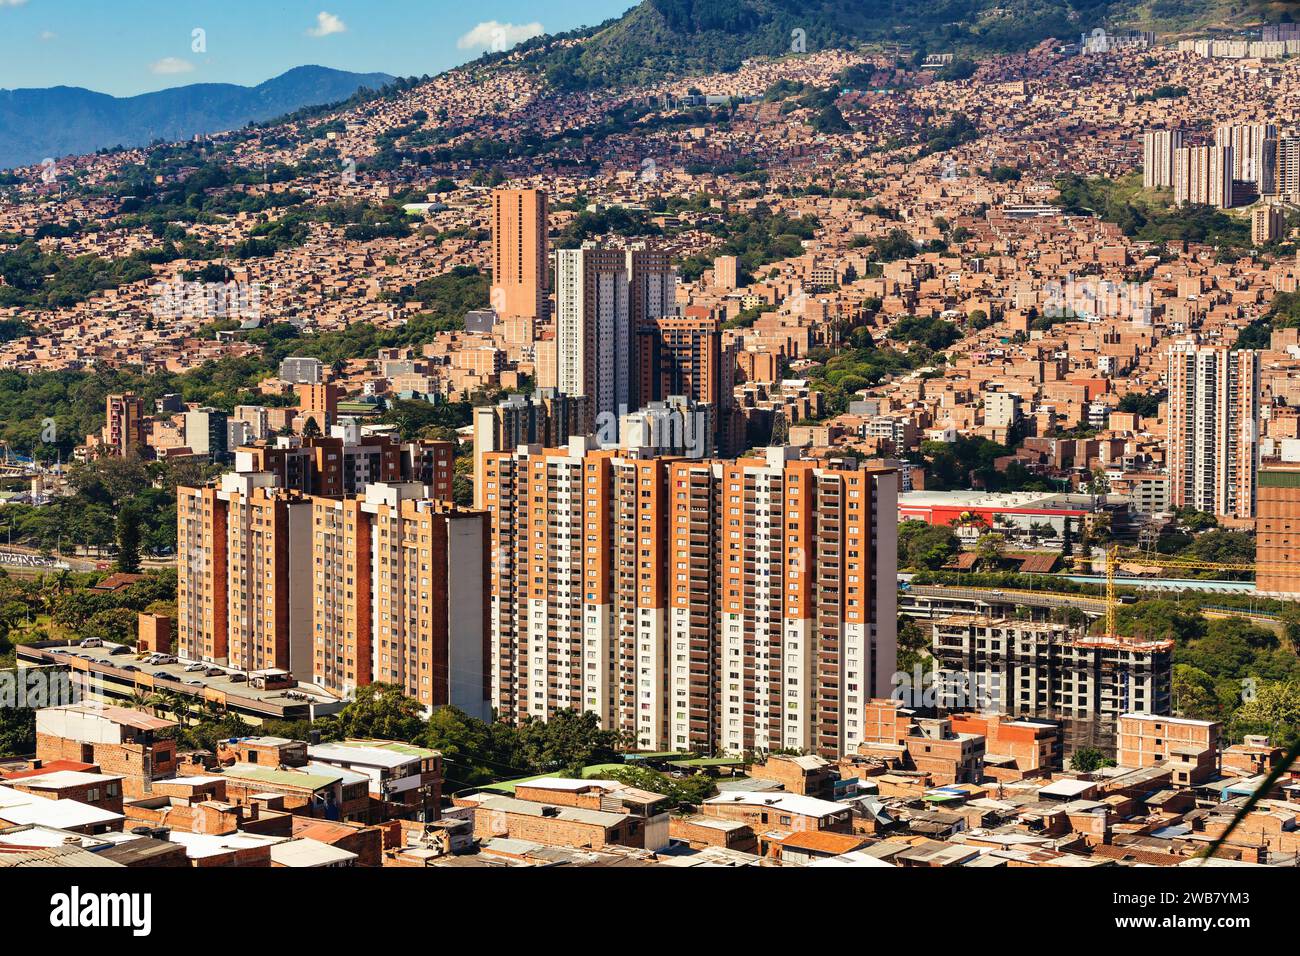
546,830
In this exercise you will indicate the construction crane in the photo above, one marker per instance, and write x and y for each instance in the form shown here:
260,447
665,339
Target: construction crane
1113,559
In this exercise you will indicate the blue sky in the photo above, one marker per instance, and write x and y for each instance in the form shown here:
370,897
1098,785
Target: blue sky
125,47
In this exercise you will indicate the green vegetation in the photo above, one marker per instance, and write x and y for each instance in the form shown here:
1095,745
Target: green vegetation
683,793
897,244
1165,92
913,644
932,333
755,239
1088,759
959,69
104,491
859,366
938,139
34,279
1226,669
922,545
1284,313
17,731
474,752
970,462
668,38
61,605
1144,404
614,220
1146,217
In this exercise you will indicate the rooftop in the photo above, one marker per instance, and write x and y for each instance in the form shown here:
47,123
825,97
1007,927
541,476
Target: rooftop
306,852
18,808
370,752
786,802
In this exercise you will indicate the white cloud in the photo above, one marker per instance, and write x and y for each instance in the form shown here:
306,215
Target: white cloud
498,37
326,24
12,3
49,35
169,65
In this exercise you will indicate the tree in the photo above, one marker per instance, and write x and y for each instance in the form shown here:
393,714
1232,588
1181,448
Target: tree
474,752
922,545
379,711
17,731
1224,547
830,120
1272,710
1224,655
128,541
990,547
1160,620
209,731
684,793
898,244
1070,615
310,428
933,333
1194,694
913,642
115,625
569,740
1088,759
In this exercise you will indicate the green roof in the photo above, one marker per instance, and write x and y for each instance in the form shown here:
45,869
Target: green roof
600,769
285,778
1270,478
396,746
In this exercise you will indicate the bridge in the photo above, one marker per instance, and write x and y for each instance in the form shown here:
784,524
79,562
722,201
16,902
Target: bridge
929,598
925,600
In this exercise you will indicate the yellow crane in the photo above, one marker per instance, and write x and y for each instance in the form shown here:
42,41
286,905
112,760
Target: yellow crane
1113,559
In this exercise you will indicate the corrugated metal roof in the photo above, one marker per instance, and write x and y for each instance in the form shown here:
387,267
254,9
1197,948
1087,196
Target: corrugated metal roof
56,856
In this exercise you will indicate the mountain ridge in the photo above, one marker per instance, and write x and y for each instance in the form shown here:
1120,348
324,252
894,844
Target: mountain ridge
675,38
70,120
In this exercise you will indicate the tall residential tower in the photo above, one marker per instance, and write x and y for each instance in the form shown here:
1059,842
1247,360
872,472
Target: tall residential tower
520,254
1213,428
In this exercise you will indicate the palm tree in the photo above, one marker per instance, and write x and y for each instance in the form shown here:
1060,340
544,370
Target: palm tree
176,704
139,700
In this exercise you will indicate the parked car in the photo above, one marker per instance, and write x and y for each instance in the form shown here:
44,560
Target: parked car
195,668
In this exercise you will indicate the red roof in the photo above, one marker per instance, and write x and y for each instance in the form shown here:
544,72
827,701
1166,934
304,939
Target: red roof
117,581
1038,563
52,767
322,831
822,841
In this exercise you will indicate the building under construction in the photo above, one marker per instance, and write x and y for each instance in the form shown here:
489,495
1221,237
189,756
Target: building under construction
1054,672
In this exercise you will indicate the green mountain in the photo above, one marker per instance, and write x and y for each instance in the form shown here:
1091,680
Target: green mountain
667,38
